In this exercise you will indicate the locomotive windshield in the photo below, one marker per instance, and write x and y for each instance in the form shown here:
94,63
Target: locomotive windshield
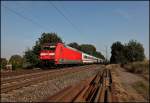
49,47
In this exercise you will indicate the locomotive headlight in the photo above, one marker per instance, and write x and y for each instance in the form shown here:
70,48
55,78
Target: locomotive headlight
43,54
51,53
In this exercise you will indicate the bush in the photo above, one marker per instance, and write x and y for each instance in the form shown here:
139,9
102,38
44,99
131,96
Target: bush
3,62
137,67
16,61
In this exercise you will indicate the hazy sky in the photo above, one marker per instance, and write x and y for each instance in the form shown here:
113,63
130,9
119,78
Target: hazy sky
95,22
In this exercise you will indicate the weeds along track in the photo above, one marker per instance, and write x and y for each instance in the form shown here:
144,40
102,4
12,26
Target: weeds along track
16,82
99,88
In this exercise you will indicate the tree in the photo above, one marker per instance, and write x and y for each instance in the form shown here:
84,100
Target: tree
46,38
88,48
32,56
3,63
74,45
117,53
99,55
130,52
49,38
134,51
16,61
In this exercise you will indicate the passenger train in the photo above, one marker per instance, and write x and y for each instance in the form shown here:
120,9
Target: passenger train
60,53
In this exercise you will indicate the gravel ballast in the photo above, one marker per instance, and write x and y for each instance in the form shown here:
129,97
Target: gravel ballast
40,91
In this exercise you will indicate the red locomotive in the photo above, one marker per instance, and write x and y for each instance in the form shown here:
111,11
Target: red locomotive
63,54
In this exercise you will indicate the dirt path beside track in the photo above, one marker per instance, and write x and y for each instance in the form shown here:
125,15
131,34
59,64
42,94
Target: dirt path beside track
128,85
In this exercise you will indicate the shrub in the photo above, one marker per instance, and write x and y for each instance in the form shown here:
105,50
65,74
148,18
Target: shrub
16,61
137,67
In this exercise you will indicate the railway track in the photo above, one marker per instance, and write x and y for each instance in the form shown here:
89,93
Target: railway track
96,89
11,74
9,84
5,74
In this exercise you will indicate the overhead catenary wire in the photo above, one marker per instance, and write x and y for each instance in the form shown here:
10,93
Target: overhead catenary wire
24,17
66,18
36,23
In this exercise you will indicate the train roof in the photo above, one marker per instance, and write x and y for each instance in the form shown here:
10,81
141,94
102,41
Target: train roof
73,48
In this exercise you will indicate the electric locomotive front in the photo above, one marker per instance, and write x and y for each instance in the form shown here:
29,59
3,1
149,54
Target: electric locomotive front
47,52
60,54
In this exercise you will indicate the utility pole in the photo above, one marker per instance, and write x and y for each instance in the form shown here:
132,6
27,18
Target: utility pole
106,55
105,52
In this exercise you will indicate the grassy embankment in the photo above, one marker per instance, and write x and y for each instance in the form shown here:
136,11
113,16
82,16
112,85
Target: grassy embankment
138,67
142,69
142,89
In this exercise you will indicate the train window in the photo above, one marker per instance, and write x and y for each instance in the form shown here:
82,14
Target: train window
48,48
85,56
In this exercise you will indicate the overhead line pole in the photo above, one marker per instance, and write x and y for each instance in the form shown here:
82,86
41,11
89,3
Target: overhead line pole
106,53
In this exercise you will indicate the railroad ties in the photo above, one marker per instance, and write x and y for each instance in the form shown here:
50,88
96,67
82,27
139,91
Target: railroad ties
8,84
99,88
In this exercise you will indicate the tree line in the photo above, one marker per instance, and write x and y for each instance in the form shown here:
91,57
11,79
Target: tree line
128,52
31,56
87,48
120,53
